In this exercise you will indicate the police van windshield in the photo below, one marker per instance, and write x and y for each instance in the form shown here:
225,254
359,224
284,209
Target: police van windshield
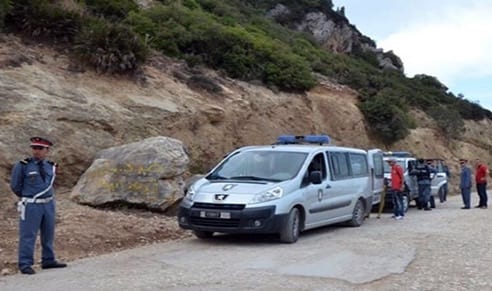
387,167
260,165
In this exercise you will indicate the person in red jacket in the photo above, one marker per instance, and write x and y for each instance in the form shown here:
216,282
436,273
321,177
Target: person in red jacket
396,188
481,174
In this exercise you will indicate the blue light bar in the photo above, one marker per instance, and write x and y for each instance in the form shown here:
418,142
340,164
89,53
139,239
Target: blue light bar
298,139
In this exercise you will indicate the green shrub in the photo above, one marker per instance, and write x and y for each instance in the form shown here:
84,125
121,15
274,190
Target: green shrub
470,110
111,9
387,117
5,7
241,53
44,19
110,47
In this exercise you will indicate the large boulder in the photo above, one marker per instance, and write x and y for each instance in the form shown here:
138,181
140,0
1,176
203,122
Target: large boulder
147,173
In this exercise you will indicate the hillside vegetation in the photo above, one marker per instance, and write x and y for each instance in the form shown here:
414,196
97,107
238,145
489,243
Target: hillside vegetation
236,38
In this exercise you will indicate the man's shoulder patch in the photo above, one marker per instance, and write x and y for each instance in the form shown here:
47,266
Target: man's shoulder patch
25,161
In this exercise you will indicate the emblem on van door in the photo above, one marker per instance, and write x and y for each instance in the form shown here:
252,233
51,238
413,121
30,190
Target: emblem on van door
220,197
228,187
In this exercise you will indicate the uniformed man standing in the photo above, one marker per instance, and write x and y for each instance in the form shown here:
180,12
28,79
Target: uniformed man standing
423,173
32,181
465,184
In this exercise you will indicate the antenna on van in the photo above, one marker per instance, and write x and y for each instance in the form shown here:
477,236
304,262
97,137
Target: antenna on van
303,139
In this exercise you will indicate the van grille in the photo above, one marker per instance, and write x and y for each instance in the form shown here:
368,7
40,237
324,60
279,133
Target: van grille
214,222
218,206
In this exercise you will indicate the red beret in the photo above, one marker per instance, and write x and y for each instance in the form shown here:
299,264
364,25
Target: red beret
39,141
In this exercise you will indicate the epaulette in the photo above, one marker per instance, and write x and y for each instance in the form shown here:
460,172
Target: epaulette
52,163
26,161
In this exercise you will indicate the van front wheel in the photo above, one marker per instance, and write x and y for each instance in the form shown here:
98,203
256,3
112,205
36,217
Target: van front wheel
357,214
203,234
291,229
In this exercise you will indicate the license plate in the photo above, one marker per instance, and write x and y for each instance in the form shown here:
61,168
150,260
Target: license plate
225,215
215,214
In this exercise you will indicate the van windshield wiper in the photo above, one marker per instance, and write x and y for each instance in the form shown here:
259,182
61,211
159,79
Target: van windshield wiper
216,177
254,178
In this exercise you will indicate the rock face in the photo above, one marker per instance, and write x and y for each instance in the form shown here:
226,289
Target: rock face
333,30
147,173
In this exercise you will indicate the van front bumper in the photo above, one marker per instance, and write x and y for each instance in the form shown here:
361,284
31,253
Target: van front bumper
211,217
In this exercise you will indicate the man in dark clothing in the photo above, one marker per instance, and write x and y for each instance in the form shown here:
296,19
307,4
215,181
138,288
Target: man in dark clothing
423,173
445,188
32,181
465,183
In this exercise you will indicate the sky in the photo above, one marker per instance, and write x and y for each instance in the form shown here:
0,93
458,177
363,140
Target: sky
448,39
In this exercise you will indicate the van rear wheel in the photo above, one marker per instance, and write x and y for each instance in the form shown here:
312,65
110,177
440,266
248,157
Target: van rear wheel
358,214
291,229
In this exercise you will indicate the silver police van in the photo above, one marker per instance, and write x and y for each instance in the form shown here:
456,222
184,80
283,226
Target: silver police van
296,184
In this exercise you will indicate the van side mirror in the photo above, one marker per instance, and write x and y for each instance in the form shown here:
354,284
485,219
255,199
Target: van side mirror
315,177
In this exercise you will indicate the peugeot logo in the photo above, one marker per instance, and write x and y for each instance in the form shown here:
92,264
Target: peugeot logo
220,197
228,187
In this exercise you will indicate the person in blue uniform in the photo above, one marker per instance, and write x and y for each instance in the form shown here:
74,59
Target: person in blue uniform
32,181
423,172
465,183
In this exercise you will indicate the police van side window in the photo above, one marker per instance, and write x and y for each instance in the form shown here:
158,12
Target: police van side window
378,165
358,164
338,165
317,164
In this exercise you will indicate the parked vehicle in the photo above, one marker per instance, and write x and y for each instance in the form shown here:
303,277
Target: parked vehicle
299,183
407,161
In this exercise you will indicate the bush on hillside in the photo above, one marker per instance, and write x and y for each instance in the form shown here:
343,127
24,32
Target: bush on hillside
470,110
113,10
44,19
243,54
387,117
110,47
5,7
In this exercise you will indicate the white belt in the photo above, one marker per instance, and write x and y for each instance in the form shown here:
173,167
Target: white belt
36,200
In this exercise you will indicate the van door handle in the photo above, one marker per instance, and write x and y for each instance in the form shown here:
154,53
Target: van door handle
440,175
328,186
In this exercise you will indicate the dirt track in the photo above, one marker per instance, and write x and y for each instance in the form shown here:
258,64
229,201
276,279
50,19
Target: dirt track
444,249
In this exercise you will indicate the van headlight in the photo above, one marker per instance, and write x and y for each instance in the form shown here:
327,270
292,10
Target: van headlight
190,194
272,194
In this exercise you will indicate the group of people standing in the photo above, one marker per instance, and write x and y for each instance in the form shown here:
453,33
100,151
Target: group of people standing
481,173
424,172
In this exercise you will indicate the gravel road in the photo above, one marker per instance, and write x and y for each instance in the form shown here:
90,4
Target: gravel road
443,249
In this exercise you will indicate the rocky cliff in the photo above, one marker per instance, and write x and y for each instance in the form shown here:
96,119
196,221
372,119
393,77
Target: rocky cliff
43,93
333,31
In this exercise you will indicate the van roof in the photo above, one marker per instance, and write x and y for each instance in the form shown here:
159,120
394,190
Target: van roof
303,148
398,158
